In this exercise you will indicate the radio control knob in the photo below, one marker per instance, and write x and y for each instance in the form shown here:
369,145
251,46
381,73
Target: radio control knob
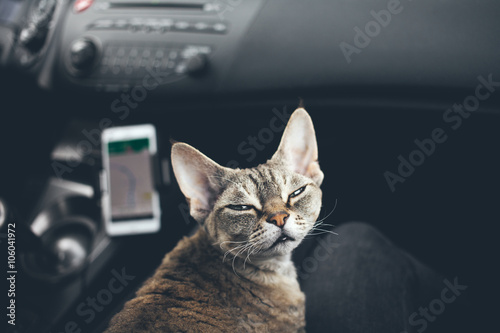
83,53
33,37
196,64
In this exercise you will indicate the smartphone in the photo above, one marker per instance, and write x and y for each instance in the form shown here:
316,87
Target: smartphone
130,200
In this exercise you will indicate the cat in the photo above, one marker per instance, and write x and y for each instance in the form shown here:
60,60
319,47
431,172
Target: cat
235,274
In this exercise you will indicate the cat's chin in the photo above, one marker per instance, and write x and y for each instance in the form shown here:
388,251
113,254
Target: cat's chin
281,247
282,240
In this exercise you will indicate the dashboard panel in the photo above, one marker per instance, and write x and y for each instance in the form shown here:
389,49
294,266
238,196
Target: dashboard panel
224,47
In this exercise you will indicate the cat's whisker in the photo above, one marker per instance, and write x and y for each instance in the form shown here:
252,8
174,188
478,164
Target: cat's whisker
253,249
225,255
260,247
321,222
256,250
248,255
237,248
231,250
250,252
230,242
248,246
322,225
240,251
322,231
334,207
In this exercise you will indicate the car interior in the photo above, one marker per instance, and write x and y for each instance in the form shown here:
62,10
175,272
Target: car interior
404,96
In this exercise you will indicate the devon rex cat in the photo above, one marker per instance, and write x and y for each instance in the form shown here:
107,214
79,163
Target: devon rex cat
235,273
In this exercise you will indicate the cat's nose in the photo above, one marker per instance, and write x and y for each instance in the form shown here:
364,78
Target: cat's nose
278,219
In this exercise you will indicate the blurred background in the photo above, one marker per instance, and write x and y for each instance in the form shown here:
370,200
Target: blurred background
404,96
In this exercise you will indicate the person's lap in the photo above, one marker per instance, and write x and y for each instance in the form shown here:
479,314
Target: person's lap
358,281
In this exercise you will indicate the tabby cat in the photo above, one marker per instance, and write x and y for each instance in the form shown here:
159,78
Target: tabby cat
235,274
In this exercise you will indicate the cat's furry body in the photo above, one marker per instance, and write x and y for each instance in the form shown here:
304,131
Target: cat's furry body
194,291
235,274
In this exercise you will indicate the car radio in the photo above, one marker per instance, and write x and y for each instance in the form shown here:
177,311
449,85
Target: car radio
114,45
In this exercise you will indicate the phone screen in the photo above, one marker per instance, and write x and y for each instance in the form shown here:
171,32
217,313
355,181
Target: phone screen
131,180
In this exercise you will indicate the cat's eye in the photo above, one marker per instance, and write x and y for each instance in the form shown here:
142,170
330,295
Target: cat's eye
297,192
240,207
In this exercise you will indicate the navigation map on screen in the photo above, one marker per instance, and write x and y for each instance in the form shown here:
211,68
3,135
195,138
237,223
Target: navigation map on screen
131,182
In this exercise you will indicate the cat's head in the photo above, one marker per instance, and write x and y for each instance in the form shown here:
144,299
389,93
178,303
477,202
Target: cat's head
264,211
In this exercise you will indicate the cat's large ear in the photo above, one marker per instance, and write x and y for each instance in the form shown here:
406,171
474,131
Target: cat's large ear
298,149
198,177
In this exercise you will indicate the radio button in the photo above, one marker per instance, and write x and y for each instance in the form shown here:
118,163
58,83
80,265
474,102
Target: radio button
181,26
192,50
135,25
219,27
201,26
181,68
133,53
196,64
103,24
121,24
121,52
173,54
159,54
165,25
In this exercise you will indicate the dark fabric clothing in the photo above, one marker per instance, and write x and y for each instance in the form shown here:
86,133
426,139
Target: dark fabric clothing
358,281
